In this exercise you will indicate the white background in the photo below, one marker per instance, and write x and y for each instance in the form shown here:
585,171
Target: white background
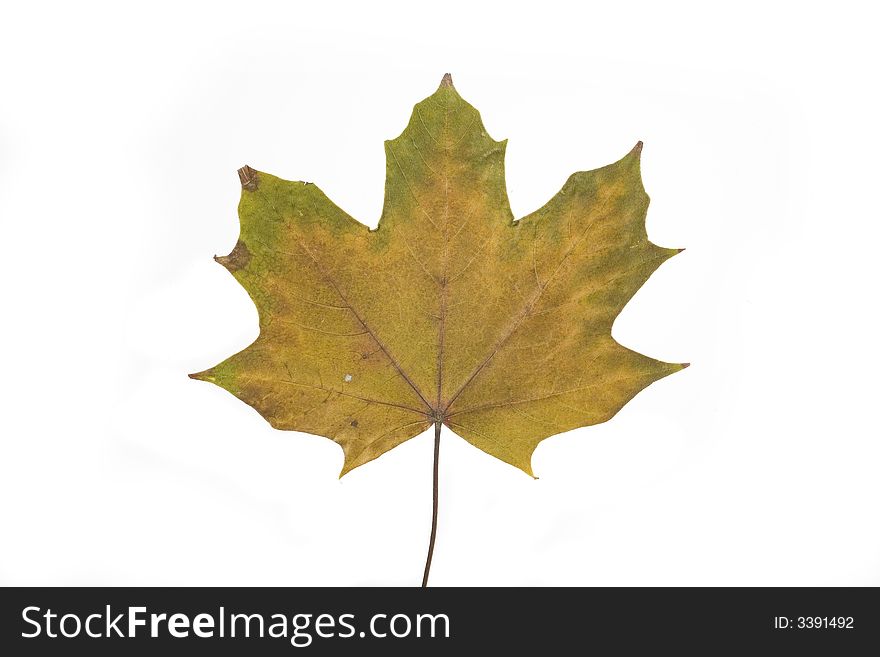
120,133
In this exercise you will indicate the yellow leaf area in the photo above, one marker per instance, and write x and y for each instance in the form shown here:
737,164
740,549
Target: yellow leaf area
451,311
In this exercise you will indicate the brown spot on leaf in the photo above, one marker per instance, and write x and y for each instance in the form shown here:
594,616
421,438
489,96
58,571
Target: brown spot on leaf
249,179
238,258
354,423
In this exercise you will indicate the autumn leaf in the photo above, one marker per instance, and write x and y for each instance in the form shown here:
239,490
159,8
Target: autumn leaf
451,312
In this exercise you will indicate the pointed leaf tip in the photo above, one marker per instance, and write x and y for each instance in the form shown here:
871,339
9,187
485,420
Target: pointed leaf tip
237,259
447,80
248,178
637,149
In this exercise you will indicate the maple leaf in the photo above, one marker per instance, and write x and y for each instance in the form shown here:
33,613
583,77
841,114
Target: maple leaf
451,312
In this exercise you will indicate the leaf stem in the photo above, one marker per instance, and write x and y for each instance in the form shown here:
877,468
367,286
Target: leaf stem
437,426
